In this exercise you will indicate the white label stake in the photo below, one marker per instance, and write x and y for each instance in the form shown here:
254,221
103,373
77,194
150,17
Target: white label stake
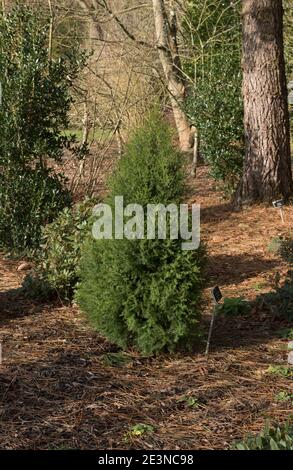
217,295
279,204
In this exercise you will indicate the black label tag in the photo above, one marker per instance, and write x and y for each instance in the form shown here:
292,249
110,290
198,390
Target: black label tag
279,203
217,294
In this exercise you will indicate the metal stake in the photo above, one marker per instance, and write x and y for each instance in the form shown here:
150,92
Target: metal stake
217,295
211,329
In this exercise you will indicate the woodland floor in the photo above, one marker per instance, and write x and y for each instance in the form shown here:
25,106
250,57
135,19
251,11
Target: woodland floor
56,392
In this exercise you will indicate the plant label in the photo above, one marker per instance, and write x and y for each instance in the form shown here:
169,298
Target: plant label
278,204
217,294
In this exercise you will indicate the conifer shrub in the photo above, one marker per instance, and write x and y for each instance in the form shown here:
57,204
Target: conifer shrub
144,293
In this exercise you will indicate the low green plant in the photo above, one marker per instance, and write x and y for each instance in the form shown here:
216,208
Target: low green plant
273,437
233,307
286,333
116,359
281,371
190,402
61,447
275,245
259,286
139,429
283,247
286,250
284,396
144,292
279,302
57,264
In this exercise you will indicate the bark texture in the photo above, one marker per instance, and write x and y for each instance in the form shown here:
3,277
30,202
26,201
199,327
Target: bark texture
267,168
166,35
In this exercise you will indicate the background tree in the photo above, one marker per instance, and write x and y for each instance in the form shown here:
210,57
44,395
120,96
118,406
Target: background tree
145,60
267,168
167,45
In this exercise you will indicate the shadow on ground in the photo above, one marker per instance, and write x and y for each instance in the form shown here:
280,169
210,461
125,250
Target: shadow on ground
63,396
234,269
14,305
217,213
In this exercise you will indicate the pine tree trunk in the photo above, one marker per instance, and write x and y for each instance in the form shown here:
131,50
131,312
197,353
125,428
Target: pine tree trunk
267,169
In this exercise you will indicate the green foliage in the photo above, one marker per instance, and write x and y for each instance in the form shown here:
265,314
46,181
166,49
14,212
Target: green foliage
58,260
233,307
280,301
216,110
281,371
288,36
190,402
139,429
286,333
28,200
286,250
215,106
272,438
36,96
259,286
284,396
275,245
282,247
116,359
36,99
140,292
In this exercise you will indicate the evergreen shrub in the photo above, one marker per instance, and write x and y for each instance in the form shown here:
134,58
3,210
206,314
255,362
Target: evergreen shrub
144,293
56,271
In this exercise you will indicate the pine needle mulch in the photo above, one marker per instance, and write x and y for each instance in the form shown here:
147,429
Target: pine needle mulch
58,391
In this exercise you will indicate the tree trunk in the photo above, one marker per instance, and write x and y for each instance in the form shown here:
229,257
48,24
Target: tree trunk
267,169
166,33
